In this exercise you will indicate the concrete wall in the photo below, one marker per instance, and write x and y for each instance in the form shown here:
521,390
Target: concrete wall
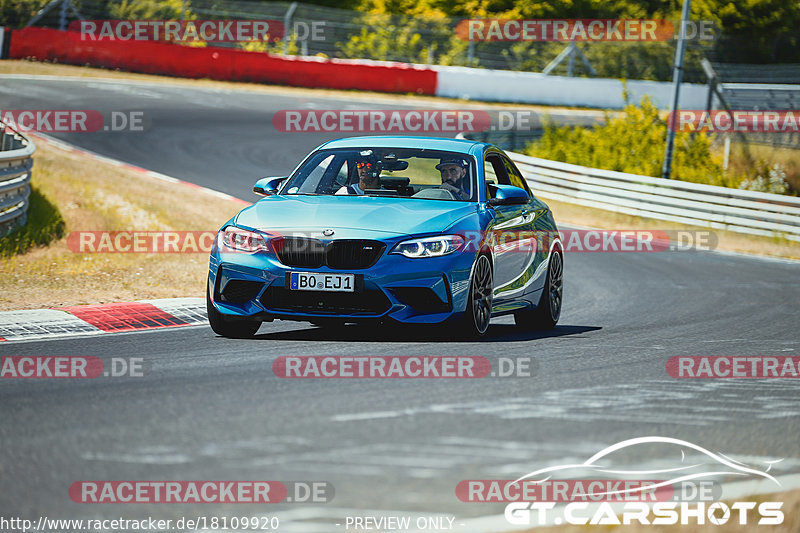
536,88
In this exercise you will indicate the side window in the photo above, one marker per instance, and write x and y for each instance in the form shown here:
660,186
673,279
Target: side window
488,171
344,172
314,177
494,172
514,175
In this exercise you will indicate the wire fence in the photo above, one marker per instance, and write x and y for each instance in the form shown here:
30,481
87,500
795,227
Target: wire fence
312,30
351,34
757,88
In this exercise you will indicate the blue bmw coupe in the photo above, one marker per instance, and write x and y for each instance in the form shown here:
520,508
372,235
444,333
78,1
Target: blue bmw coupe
413,230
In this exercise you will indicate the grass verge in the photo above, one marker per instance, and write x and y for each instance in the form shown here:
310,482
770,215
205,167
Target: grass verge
95,195
571,214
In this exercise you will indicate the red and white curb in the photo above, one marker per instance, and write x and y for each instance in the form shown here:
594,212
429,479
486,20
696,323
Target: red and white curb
80,320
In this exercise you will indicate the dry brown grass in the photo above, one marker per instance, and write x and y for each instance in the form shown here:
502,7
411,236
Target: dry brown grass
727,240
791,523
94,195
762,157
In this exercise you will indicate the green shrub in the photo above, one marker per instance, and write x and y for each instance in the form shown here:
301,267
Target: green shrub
633,142
386,42
149,10
17,13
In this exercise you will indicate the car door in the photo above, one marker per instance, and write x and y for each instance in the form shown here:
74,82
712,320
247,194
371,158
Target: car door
544,232
511,236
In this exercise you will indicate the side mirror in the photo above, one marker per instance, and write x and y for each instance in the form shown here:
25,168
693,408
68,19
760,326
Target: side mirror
268,186
508,195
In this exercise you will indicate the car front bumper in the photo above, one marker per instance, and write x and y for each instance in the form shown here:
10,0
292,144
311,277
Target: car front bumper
422,291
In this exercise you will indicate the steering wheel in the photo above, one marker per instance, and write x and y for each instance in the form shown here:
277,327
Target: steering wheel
435,194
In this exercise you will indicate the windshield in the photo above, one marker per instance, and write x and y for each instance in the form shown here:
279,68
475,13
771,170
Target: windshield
398,172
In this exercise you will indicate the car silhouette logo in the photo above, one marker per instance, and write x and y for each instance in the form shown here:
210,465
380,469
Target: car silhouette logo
686,472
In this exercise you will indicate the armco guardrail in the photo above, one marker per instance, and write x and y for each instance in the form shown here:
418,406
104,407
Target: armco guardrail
16,161
696,204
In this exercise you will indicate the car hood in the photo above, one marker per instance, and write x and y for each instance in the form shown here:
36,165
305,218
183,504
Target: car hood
360,215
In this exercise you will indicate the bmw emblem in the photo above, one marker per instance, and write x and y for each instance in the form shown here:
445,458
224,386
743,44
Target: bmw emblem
328,232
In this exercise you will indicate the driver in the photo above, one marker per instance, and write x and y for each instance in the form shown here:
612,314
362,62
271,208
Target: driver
369,176
454,177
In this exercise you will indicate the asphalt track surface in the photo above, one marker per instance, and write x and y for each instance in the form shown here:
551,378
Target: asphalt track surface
211,408
225,138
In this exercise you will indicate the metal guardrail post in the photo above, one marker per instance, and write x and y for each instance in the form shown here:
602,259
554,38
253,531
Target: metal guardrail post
557,60
62,16
287,20
677,76
712,87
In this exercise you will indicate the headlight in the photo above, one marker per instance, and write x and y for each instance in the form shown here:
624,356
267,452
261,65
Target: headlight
241,240
429,246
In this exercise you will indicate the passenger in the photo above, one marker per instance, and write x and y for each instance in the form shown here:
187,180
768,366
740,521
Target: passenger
369,177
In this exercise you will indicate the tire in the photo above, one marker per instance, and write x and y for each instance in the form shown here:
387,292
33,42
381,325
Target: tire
234,329
478,312
547,313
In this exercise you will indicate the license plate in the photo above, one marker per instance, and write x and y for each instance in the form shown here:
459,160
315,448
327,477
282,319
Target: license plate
315,281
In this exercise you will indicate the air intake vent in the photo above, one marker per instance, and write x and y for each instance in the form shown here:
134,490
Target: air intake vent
366,303
239,291
421,299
